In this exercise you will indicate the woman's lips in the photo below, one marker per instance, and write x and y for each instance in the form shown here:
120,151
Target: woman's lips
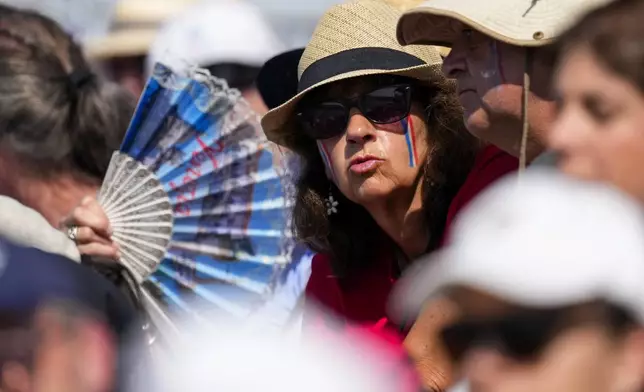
364,165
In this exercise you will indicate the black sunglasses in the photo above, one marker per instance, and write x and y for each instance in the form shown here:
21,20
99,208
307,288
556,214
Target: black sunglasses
521,336
327,119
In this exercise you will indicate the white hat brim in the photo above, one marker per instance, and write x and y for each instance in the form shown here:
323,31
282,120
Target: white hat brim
518,23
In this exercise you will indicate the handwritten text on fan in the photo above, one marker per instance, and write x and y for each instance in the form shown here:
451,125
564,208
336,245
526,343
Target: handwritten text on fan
188,187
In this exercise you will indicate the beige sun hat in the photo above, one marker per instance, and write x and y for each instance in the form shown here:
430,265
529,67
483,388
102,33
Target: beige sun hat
135,26
516,22
405,5
353,39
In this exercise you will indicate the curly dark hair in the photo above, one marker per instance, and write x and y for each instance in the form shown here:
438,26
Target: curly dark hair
352,238
47,122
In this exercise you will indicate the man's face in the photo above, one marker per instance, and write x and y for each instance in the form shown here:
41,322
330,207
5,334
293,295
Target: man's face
490,87
508,349
69,353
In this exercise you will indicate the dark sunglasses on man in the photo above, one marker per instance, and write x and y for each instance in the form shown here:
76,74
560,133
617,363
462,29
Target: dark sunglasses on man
523,335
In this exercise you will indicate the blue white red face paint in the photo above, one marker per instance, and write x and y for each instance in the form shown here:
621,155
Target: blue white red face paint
496,55
326,158
492,69
381,147
410,138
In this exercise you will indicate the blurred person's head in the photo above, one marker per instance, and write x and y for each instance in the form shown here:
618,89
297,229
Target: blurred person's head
216,353
59,123
231,39
493,48
59,348
126,71
599,131
122,52
63,327
546,277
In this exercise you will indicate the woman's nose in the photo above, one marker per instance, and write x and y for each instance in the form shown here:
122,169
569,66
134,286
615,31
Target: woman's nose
359,129
567,131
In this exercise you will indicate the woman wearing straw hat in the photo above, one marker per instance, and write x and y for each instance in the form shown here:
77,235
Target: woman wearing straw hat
386,159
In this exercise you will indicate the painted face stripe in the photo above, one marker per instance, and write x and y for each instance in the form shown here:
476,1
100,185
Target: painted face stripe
411,140
325,157
499,63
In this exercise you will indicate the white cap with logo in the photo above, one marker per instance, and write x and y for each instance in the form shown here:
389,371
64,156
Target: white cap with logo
546,242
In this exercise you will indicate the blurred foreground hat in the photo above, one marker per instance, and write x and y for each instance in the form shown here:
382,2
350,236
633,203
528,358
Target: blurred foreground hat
353,39
30,278
134,27
548,241
214,32
220,354
517,22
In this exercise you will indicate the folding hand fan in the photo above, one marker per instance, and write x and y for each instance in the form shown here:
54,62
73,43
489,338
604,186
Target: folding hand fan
196,197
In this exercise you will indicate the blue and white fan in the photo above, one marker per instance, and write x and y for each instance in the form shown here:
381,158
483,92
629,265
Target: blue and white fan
196,197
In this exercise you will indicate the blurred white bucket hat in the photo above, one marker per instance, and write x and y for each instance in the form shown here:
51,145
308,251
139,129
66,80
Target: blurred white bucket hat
223,31
517,22
546,242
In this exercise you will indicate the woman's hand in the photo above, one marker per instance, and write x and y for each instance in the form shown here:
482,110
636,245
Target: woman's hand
89,227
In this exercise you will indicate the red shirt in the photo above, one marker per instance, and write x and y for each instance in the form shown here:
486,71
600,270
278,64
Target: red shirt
363,302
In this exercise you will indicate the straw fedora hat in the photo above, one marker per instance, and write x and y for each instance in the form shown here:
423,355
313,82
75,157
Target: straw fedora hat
517,22
135,26
352,39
